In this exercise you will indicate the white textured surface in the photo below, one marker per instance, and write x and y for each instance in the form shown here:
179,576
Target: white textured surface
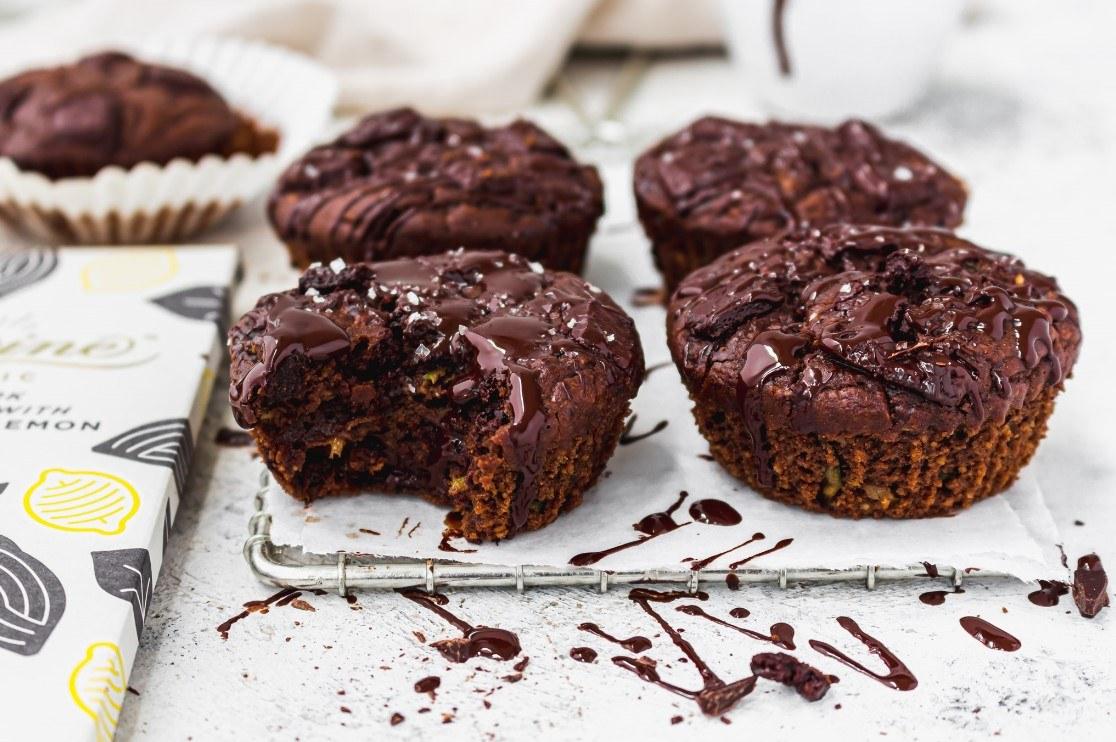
1024,111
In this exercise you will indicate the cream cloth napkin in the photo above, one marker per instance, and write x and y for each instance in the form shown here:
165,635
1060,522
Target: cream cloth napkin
444,56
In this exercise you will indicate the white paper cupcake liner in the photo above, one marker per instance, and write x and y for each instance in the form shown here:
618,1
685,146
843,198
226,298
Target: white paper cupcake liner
150,203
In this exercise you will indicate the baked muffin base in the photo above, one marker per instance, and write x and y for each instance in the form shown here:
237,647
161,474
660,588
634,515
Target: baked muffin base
910,475
679,252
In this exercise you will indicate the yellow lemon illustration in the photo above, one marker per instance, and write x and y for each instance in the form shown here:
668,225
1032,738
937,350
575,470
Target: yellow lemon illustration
128,270
97,686
84,501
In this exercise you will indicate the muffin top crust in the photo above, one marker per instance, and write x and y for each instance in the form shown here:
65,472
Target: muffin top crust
864,329
398,175
110,109
751,180
525,350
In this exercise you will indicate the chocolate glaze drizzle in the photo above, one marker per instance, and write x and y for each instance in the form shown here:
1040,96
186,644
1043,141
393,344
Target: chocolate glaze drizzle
288,328
696,564
898,676
653,525
989,634
636,644
781,634
445,545
716,696
477,641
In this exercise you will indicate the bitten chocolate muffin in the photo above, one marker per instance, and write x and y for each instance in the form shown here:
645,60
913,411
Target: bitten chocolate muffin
399,184
870,371
476,379
719,184
110,109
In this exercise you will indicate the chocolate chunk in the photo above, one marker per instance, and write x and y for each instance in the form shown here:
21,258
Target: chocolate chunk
1090,586
811,683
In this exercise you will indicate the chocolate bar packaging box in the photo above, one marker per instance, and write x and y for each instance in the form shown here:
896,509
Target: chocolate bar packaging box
107,360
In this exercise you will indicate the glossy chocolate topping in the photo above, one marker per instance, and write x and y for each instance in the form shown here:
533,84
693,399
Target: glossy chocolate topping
521,337
109,109
728,178
401,184
870,330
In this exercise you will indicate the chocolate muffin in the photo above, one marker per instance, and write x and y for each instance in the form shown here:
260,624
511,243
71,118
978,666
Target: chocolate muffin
478,380
872,371
719,184
110,109
399,184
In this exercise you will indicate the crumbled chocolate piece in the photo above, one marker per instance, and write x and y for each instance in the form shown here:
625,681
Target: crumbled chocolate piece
811,683
1090,586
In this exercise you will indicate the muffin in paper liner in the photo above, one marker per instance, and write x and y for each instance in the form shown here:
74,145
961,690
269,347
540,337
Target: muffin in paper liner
277,89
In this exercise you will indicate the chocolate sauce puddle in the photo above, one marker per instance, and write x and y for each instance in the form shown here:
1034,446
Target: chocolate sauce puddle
626,438
636,644
990,635
476,641
583,654
1048,593
781,634
653,525
281,598
714,512
899,676
716,696
937,597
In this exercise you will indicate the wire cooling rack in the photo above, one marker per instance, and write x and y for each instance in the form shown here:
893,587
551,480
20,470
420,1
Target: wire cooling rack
290,566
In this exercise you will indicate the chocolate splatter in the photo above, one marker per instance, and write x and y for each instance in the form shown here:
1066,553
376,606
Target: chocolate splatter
898,676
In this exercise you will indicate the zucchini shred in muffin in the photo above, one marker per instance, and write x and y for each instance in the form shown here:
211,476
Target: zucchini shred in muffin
478,380
870,371
718,184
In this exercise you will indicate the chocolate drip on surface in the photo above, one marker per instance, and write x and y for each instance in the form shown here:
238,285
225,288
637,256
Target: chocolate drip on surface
1048,593
636,644
780,544
696,564
732,581
931,569
937,597
583,654
283,597
778,35
477,641
716,696
651,526
233,438
898,676
781,634
626,438
714,512
1090,586
445,545
989,634
397,719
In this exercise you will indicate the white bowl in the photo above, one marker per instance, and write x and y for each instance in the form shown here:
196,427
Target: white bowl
848,58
